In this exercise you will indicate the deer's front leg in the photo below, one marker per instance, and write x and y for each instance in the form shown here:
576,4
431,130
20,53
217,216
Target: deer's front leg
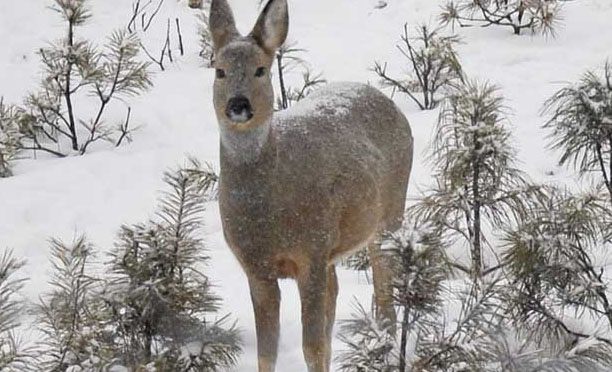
312,284
265,296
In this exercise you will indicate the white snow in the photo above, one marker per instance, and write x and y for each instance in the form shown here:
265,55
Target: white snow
96,193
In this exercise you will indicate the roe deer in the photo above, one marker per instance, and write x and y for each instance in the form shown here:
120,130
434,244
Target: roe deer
303,187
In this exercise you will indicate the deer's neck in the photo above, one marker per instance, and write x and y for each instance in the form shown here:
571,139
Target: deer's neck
248,165
248,147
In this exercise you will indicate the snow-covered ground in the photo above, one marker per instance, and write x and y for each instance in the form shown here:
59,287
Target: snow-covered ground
96,193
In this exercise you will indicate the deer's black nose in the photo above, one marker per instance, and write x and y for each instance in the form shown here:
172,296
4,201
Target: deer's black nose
239,109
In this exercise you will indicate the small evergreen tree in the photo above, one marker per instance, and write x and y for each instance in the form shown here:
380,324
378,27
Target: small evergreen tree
420,267
581,125
159,298
13,356
433,62
369,344
554,275
152,309
477,185
73,66
484,337
539,16
359,261
469,341
10,138
70,316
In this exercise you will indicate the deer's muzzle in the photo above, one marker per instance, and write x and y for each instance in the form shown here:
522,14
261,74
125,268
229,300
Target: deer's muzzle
239,109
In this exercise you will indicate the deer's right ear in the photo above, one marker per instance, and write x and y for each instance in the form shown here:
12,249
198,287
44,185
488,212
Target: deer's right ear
221,23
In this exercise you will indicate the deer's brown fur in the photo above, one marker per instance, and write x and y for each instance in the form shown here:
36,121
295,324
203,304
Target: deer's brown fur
303,187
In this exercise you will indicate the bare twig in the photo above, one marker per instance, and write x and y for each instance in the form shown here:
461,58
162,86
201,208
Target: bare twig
180,36
160,61
150,20
281,79
167,46
124,128
381,71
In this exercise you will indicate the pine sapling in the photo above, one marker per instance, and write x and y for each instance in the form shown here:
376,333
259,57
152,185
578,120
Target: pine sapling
432,61
71,316
552,263
10,138
160,299
538,16
75,68
420,266
369,344
580,121
477,184
14,356
469,340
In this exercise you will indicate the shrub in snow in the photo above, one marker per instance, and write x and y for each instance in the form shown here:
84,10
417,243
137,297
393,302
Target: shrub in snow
538,16
552,260
581,124
434,64
53,118
478,334
476,183
360,261
71,316
442,327
152,309
369,346
420,266
13,356
10,138
161,301
468,340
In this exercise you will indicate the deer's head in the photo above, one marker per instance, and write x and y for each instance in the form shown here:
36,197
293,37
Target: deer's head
243,94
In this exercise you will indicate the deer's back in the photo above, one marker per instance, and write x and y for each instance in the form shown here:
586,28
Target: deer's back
343,130
344,153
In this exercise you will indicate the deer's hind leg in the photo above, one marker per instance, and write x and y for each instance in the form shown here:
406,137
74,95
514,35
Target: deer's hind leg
383,279
330,310
265,295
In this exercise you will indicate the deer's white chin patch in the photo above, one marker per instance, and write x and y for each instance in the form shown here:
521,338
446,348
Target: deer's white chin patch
243,117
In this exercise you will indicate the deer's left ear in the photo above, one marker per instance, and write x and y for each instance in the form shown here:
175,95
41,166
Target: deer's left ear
272,26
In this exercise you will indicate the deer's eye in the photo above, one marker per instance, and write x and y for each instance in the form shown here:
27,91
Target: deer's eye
261,71
219,73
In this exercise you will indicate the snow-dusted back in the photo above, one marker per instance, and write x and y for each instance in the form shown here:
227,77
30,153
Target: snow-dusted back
333,100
